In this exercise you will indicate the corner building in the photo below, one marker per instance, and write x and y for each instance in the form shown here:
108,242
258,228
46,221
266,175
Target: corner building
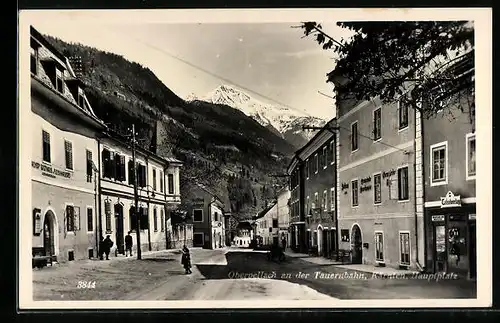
376,184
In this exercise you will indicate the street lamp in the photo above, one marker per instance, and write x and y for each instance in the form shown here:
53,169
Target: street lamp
148,187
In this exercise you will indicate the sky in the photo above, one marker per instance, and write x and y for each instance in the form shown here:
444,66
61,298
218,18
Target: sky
270,61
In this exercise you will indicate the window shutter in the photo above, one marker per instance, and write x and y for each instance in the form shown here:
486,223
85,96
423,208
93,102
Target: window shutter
105,161
144,181
393,188
131,173
77,218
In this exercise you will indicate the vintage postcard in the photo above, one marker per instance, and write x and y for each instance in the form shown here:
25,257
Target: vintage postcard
255,158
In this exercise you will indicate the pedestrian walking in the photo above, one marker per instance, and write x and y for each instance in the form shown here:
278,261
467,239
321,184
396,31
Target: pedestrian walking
283,243
101,247
186,260
128,244
107,246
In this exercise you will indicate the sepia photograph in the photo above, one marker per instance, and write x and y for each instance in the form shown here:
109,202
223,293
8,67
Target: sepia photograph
254,158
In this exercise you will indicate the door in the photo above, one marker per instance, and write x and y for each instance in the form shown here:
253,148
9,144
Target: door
356,245
458,260
440,248
326,242
472,243
119,237
48,234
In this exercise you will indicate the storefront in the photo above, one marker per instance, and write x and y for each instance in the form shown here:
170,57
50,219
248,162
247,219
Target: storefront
451,236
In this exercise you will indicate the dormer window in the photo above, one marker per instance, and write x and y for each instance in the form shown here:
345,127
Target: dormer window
81,98
34,60
59,80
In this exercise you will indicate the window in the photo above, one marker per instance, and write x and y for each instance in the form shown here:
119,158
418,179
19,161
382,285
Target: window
144,213
68,154
141,175
133,218
354,193
34,61
131,172
332,152
90,219
106,159
155,220
332,199
325,157
70,218
316,163
198,215
154,179
275,223
325,201
403,115
81,98
90,167
439,163
119,167
404,248
377,124
379,246
307,205
59,80
170,178
307,169
316,200
471,156
46,146
161,181
216,216
377,188
354,136
107,212
162,219
403,189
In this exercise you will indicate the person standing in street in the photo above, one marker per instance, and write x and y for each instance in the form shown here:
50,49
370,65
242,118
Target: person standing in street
128,244
186,260
107,246
101,247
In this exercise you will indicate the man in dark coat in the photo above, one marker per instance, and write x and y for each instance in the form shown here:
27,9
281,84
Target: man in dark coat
128,244
186,260
107,246
101,247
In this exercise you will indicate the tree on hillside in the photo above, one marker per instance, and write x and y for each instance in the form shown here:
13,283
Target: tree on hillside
429,65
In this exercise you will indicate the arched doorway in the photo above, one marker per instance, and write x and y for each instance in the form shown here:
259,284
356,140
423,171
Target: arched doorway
320,240
356,245
49,233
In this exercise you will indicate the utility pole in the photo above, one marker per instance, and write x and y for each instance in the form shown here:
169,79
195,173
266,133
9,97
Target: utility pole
136,198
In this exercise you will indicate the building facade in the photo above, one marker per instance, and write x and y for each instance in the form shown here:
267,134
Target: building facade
296,205
207,212
319,156
449,150
64,148
158,195
267,225
283,215
377,172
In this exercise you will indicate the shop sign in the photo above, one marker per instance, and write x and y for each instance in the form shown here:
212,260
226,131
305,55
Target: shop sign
437,218
388,173
451,200
345,186
472,216
50,171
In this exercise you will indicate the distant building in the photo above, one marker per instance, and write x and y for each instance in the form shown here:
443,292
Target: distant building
64,157
207,212
244,235
283,215
267,225
296,171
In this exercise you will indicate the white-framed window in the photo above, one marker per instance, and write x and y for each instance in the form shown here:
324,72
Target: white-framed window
377,188
72,218
332,199
59,80
379,246
90,168
154,179
439,163
402,115
403,185
354,193
170,183
470,151
46,155
325,157
307,168
332,152
316,163
68,154
162,219
377,124
404,248
354,136
325,200
197,215
316,200
90,219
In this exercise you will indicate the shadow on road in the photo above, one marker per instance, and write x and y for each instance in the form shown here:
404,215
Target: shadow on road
347,284
159,259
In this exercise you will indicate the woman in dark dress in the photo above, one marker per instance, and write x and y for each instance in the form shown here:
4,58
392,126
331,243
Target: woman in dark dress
186,260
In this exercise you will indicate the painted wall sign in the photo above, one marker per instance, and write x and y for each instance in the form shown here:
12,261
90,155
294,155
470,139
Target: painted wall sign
365,188
437,218
389,173
50,171
345,186
366,180
451,200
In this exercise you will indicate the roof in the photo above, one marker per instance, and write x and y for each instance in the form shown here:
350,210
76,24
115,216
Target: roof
263,212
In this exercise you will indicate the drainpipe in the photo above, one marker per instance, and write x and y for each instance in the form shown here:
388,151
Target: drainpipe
419,266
